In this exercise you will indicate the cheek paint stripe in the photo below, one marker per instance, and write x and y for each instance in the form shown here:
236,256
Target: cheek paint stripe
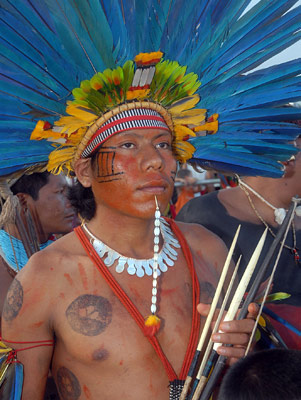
104,169
107,164
109,180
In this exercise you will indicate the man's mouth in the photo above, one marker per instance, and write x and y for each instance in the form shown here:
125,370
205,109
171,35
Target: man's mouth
155,187
70,216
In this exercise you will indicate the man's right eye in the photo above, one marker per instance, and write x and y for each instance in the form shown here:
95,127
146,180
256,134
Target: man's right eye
128,145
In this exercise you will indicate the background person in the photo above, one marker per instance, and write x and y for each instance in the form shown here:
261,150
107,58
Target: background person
222,211
266,375
44,211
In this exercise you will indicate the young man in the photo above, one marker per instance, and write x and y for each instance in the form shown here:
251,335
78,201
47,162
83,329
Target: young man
99,350
43,202
121,135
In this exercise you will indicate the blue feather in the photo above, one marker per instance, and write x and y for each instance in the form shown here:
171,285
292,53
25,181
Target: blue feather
48,47
13,381
277,75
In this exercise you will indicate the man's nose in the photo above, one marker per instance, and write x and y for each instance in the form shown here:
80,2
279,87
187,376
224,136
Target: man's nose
151,158
67,202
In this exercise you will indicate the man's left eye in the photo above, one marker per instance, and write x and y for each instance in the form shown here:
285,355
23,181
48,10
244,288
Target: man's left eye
164,145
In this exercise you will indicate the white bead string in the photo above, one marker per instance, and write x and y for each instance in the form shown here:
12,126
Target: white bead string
156,251
279,213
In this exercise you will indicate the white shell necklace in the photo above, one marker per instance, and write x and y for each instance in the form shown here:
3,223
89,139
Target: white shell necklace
140,267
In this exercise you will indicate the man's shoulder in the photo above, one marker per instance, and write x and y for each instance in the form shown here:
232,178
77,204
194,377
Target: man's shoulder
198,237
204,245
196,209
54,257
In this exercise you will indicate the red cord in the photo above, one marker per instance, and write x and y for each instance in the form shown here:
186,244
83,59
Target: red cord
40,343
132,309
36,341
193,339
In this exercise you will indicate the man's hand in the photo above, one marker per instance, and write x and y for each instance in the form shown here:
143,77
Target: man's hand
236,333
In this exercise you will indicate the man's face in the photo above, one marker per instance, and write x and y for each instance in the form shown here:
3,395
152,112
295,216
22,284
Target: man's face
52,211
293,170
133,167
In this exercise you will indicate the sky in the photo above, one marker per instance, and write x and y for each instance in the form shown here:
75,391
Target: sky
290,53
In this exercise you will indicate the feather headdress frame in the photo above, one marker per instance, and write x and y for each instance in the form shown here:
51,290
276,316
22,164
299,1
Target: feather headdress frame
162,86
49,47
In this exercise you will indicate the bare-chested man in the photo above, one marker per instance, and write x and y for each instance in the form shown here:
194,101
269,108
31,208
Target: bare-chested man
99,351
43,195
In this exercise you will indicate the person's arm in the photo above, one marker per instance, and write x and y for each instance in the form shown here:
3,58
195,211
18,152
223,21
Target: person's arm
6,279
26,318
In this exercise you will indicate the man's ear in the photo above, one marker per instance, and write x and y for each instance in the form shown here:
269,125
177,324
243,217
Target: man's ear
83,171
289,167
24,199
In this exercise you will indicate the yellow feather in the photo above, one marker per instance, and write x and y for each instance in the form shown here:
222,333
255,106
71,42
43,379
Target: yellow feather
183,151
81,112
152,320
3,351
76,137
60,160
3,370
40,133
3,345
182,131
184,104
211,127
72,124
189,119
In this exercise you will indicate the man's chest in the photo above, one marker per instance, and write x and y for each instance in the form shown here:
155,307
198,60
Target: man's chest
92,316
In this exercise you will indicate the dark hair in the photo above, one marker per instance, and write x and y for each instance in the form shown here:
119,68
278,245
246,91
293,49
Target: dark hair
31,184
264,375
82,198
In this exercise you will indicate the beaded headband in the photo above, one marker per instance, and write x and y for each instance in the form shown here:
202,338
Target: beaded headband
138,118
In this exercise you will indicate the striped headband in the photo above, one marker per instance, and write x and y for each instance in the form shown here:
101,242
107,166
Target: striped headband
137,118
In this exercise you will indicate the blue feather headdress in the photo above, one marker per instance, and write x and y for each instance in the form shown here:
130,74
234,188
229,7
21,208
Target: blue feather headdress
49,47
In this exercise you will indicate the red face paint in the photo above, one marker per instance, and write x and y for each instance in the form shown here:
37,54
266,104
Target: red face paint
132,168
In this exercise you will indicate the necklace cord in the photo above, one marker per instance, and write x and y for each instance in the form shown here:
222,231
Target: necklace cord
293,249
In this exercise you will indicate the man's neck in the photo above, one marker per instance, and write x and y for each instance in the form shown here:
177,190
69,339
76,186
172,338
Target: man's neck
277,192
13,230
131,237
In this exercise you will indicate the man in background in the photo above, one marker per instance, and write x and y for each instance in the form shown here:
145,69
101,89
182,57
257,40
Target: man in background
253,204
267,375
43,211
